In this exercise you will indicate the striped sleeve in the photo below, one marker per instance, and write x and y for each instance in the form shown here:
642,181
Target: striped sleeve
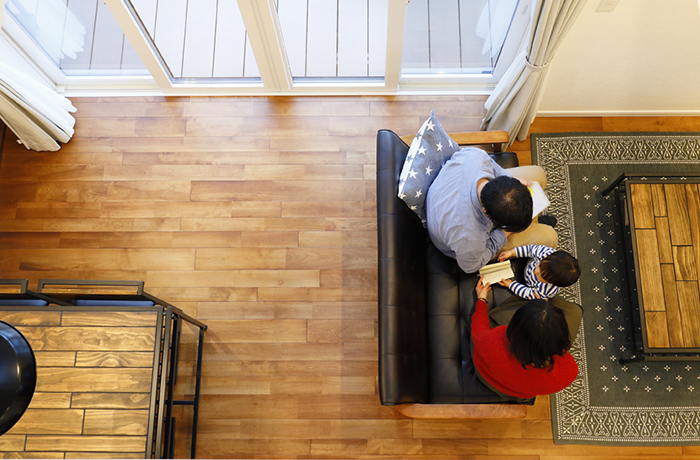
537,251
523,291
540,291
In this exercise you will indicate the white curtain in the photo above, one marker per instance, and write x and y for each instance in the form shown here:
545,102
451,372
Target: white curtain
37,114
512,105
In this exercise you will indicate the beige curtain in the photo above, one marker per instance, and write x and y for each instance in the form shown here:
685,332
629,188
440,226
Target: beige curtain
512,105
37,114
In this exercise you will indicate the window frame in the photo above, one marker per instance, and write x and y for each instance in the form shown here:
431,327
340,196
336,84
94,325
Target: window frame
264,33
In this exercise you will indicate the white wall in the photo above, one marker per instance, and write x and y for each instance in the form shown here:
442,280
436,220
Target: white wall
642,58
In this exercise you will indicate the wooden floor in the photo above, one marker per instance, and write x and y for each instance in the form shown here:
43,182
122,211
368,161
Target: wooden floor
257,216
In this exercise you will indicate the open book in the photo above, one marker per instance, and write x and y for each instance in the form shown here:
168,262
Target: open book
493,273
539,199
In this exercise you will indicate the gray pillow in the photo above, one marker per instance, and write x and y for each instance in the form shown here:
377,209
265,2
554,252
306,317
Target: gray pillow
429,151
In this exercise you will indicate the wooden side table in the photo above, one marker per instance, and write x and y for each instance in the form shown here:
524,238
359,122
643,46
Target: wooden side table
106,381
660,216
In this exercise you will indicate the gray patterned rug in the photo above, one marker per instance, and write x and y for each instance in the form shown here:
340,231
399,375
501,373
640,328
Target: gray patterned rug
640,403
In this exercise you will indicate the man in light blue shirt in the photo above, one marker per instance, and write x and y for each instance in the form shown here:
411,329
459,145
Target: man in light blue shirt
471,224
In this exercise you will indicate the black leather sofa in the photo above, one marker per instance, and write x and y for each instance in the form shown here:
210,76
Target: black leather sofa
425,301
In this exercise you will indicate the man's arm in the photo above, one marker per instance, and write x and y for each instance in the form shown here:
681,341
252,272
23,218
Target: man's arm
498,170
475,253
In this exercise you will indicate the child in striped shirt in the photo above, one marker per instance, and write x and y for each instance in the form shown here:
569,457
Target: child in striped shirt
547,271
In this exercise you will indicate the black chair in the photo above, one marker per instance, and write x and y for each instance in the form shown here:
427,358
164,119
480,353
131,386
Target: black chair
17,376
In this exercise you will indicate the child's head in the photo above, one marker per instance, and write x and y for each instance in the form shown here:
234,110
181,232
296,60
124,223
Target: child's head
560,269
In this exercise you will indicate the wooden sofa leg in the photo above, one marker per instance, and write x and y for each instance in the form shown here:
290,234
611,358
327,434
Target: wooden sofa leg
462,411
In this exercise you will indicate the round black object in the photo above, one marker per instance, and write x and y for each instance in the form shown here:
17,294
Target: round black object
17,376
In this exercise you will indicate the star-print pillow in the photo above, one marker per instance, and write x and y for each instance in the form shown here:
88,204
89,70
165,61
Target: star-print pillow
429,151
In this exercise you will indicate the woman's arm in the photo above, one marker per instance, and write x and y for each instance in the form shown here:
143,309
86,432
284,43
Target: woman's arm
480,318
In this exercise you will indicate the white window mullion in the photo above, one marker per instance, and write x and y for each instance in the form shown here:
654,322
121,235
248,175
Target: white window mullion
265,37
394,43
141,42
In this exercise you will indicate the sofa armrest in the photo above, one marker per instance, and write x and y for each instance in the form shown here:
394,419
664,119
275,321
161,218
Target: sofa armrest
462,411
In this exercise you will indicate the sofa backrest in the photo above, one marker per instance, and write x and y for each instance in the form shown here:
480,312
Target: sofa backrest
403,365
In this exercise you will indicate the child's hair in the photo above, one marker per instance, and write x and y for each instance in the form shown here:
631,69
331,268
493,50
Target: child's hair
560,269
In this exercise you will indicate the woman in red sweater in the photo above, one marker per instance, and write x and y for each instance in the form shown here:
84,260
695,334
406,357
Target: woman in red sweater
528,357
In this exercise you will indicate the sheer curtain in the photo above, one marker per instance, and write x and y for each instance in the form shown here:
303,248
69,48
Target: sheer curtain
512,105
51,24
37,114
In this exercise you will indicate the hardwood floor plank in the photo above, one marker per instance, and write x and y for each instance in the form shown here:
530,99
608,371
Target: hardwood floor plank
663,236
684,263
116,422
54,358
49,421
50,401
322,209
291,368
689,306
673,313
39,318
369,448
254,310
137,239
110,400
93,379
114,359
88,338
86,444
325,331
218,446
109,318
316,295
254,331
677,206
104,126
240,258
359,239
642,205
222,224
96,455
173,172
693,198
270,239
658,200
236,154
105,259
657,329
12,442
649,270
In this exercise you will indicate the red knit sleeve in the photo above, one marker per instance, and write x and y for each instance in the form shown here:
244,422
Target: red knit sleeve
480,321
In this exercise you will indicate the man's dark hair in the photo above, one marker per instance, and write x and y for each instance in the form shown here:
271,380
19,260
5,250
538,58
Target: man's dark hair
560,269
508,203
537,332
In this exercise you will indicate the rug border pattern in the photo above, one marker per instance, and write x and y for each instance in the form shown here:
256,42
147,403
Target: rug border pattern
574,420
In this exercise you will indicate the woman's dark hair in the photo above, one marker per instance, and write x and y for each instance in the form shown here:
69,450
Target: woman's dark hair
508,203
560,269
537,332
